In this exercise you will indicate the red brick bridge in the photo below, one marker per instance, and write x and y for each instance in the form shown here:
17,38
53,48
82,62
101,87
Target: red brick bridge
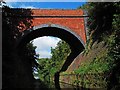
69,19
69,25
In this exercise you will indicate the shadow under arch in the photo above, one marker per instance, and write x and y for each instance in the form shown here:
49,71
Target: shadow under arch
75,42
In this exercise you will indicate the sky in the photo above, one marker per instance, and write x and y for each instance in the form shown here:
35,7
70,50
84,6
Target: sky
45,43
45,0
46,5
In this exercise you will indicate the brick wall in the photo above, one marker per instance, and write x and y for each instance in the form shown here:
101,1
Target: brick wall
74,24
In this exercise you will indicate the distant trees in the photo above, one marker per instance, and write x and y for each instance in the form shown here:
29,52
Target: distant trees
49,66
60,54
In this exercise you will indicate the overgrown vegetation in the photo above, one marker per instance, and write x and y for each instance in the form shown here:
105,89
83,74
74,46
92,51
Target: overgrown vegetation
100,67
18,65
17,70
49,66
101,57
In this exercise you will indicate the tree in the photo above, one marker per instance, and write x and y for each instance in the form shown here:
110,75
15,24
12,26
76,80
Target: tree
103,24
49,66
60,54
14,66
100,18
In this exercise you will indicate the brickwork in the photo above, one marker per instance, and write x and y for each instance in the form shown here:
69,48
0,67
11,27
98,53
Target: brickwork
74,23
56,12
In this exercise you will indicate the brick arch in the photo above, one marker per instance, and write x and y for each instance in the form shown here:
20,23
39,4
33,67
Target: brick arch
68,25
52,33
75,42
72,19
62,27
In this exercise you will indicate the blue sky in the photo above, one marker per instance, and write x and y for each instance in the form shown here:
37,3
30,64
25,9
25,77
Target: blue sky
45,0
45,43
46,5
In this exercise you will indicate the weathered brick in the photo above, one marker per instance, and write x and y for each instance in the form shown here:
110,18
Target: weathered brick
74,24
59,17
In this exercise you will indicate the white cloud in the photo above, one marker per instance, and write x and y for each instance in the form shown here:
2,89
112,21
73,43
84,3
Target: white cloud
46,42
11,4
44,54
23,6
7,4
44,45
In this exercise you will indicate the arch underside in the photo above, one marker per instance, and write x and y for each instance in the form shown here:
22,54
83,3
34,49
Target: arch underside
75,42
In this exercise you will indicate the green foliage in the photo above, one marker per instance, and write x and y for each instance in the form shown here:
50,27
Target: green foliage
97,65
31,50
100,18
49,66
104,25
59,54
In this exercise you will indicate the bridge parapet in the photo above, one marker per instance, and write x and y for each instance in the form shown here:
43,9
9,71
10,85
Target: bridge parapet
71,19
